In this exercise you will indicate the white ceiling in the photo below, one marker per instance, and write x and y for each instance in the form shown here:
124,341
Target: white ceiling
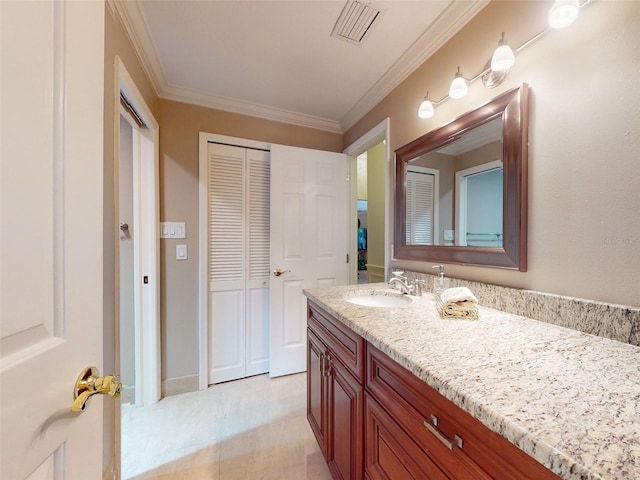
277,59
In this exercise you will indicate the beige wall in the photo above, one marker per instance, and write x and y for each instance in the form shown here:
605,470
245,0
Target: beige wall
584,225
179,127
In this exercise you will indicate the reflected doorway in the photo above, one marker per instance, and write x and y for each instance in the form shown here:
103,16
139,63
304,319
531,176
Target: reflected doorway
370,233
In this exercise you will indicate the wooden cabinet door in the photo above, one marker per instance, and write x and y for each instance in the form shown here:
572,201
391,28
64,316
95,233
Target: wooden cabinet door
390,453
345,423
317,390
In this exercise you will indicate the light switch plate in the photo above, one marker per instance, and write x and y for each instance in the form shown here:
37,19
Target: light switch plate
448,235
181,252
173,230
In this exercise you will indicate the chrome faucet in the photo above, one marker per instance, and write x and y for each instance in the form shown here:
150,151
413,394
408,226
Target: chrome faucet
402,281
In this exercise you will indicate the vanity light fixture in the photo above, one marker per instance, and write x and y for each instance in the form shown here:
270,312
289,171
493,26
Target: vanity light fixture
563,13
503,57
426,108
458,87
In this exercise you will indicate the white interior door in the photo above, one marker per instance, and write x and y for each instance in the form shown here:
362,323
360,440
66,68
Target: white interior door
309,243
52,92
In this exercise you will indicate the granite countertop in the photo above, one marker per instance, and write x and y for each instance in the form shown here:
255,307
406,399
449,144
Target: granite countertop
569,399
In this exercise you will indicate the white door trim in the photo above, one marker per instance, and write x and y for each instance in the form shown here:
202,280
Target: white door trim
147,241
203,243
373,137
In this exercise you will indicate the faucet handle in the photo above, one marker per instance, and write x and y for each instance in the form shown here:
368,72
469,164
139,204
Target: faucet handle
399,274
418,286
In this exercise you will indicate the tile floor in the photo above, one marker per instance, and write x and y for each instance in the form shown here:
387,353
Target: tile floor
250,429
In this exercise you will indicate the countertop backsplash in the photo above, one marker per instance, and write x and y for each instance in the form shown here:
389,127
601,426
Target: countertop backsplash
615,322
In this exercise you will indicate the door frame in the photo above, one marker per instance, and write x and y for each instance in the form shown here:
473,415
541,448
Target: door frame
370,139
146,161
203,242
461,197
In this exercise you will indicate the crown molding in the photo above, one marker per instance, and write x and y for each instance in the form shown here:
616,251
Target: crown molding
446,26
243,107
131,18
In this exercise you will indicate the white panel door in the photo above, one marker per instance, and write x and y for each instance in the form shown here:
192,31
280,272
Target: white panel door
51,275
309,242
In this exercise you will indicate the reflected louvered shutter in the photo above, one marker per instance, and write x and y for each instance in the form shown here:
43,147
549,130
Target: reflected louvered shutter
419,215
259,195
226,217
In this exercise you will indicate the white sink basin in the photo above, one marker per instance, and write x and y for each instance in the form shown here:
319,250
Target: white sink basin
388,300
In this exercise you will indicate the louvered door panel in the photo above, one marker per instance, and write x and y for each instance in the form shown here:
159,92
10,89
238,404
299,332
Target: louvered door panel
420,214
257,317
226,213
259,188
227,299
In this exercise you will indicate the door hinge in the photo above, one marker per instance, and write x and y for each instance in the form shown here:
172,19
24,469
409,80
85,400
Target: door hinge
347,258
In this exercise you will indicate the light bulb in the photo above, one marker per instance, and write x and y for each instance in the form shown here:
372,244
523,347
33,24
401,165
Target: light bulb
503,58
458,87
563,13
426,108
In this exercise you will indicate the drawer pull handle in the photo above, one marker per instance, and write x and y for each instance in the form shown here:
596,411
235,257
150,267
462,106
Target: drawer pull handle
432,426
327,365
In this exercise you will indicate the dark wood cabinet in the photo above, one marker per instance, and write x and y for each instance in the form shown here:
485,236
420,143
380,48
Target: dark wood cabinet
374,419
460,445
335,378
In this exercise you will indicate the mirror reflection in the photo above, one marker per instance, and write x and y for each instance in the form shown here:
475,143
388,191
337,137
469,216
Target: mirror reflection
454,193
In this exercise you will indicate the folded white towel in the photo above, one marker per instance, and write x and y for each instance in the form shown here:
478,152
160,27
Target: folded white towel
458,294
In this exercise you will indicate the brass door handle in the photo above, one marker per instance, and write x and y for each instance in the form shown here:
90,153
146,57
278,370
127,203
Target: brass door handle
89,383
278,271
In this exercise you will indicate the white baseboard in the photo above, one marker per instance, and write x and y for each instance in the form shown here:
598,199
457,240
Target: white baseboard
176,386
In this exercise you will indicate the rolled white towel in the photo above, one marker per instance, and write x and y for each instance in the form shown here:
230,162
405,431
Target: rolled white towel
458,294
460,310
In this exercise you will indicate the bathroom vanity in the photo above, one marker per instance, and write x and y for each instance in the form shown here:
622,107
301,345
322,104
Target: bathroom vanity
396,392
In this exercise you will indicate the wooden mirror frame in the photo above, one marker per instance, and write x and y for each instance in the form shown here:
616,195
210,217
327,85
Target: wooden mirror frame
513,107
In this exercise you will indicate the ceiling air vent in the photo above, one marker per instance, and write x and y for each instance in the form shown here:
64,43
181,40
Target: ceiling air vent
355,22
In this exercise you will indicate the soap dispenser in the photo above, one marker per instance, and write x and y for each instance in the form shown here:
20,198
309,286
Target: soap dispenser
440,283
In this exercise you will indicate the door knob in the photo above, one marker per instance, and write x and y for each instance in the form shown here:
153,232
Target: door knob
89,383
278,271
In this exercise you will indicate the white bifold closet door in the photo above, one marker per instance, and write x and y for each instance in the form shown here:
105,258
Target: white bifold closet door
420,208
239,186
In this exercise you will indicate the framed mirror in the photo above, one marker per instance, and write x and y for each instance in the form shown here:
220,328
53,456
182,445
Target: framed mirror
461,190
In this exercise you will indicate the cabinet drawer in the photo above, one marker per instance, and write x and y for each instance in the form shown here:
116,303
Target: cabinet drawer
344,343
391,453
437,425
